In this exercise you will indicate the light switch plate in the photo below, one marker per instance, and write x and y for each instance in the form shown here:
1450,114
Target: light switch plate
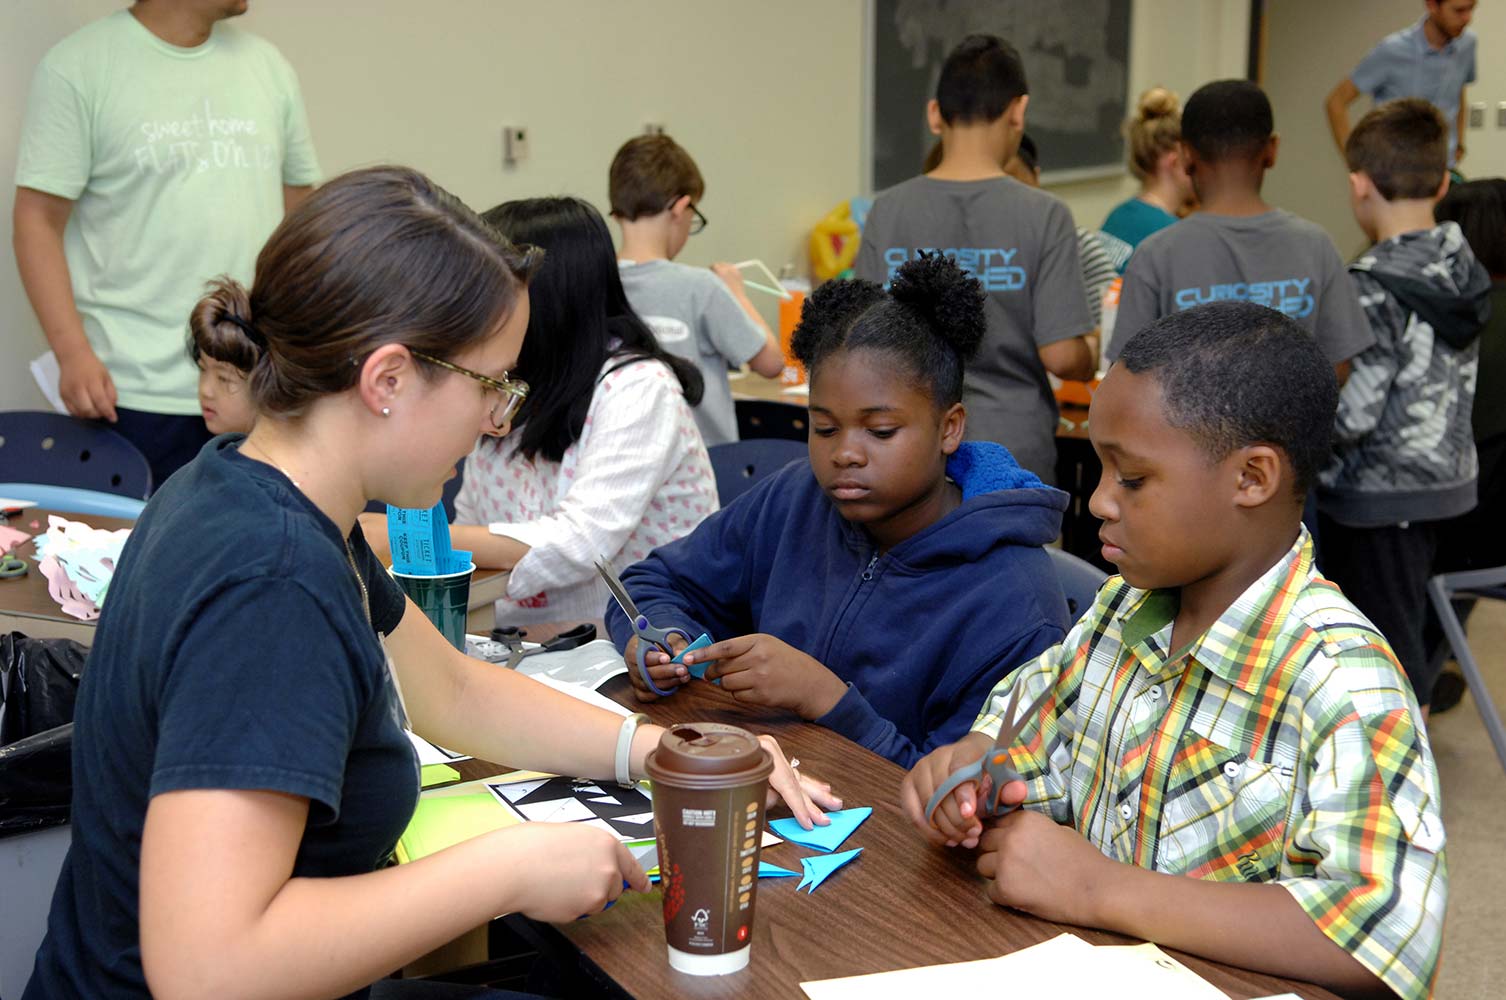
514,144
1477,114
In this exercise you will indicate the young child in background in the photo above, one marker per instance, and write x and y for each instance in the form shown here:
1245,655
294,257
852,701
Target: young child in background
1097,267
604,457
1018,242
223,357
1404,452
884,587
654,187
1236,246
1154,138
1229,760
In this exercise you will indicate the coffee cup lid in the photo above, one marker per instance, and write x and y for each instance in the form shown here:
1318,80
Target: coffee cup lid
706,749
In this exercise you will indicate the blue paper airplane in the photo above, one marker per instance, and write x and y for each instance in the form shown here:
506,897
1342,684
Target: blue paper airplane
822,838
819,866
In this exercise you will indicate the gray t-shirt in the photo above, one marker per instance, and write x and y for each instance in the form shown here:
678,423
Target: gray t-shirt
1275,259
1021,244
695,316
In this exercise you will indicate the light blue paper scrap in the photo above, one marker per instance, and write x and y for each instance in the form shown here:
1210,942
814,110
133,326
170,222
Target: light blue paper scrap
697,670
819,867
823,838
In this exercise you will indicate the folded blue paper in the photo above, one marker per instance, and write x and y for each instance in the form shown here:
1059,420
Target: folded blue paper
697,670
823,838
420,542
820,866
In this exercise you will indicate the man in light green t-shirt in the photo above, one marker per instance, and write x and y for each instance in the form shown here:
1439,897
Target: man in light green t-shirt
160,148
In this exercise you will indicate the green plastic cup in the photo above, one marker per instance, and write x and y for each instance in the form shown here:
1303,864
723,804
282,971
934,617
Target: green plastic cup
444,600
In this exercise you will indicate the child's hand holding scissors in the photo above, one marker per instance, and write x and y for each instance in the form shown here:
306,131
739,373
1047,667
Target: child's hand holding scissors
762,670
665,674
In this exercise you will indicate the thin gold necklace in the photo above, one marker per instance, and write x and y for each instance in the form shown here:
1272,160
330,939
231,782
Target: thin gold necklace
350,555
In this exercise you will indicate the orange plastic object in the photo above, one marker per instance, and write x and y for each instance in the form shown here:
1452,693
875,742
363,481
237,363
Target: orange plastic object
789,316
834,243
1076,393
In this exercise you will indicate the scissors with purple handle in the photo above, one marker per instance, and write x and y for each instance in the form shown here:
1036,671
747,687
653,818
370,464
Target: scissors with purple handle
995,763
648,635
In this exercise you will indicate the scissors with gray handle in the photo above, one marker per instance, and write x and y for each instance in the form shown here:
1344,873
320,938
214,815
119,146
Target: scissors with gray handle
995,763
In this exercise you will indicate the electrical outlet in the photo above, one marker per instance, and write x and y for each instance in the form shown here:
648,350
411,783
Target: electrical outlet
653,128
1477,114
1501,115
514,144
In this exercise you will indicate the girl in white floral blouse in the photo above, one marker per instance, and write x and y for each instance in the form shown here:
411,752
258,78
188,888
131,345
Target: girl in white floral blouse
604,458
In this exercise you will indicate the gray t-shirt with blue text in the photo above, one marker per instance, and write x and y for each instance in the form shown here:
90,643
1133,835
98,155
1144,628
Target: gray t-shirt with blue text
1275,259
1021,244
694,316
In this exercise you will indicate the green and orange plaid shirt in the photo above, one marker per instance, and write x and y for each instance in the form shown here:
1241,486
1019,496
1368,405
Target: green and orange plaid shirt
1279,746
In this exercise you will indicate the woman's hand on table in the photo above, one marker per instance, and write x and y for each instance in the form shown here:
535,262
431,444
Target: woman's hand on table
665,674
762,670
807,797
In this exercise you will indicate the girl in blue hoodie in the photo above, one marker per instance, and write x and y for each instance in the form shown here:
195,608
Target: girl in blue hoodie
883,588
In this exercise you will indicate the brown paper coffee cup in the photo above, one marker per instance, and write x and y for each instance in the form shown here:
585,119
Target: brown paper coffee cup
709,781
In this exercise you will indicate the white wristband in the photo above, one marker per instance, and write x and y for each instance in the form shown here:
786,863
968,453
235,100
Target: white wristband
623,758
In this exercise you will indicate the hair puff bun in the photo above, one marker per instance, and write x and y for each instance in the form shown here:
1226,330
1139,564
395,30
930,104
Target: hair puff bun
948,298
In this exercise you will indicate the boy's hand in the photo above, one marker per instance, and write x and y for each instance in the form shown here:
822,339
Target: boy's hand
732,278
667,675
763,670
85,385
1036,865
956,820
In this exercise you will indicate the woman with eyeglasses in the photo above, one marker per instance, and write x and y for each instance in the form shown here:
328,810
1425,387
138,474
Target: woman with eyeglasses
241,773
604,458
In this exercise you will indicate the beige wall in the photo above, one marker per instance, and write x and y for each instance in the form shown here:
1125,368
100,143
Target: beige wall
1309,47
767,97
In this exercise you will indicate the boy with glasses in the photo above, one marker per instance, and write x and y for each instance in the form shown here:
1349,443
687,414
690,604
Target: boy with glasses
654,187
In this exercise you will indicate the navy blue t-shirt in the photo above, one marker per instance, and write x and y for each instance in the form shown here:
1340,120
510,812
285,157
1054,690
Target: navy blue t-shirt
233,652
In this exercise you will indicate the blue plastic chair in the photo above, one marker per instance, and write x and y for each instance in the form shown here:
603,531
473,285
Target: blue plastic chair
1442,589
1079,580
53,448
71,500
737,465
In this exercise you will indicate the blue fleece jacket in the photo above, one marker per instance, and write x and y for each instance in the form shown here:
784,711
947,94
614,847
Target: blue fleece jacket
921,633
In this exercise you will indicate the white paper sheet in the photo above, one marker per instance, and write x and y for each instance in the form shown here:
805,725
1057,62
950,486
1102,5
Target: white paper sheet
1121,972
47,373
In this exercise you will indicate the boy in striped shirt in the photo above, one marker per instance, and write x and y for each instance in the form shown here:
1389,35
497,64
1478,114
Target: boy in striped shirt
1222,712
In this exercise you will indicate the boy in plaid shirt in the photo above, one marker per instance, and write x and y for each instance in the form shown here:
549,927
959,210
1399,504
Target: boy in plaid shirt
1221,712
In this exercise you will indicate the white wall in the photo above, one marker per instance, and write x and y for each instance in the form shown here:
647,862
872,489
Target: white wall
767,97
1308,49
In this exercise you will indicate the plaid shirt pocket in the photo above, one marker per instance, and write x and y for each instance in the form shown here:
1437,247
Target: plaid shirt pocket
1224,815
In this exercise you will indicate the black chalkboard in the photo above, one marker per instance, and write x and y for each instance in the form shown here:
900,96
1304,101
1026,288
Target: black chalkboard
1076,55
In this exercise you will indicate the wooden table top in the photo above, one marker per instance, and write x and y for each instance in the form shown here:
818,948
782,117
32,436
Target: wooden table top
900,904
